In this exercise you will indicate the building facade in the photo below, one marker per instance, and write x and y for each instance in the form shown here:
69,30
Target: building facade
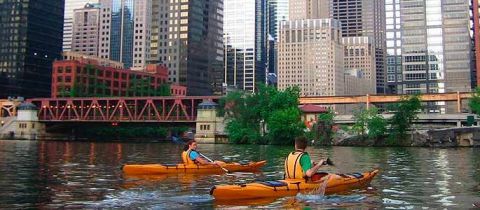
245,42
86,28
311,57
309,9
29,42
359,57
87,78
393,28
125,31
70,6
435,46
277,12
363,18
74,56
187,37
476,40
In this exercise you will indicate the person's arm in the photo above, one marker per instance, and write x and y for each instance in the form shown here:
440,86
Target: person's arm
306,163
310,172
194,155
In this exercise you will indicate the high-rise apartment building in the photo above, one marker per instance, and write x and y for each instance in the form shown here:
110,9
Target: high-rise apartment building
86,28
311,57
29,42
187,37
245,42
70,6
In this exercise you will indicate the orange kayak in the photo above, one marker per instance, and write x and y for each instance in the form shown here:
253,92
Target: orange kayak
281,188
149,169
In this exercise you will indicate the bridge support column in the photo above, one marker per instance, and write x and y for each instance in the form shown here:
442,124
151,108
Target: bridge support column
367,101
459,103
459,123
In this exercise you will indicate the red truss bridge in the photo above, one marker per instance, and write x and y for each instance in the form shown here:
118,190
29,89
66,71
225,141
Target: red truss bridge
124,109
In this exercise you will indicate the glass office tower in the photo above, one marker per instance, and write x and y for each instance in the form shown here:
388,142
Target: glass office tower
29,42
245,40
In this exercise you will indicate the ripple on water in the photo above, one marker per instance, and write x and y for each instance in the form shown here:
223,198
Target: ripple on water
394,202
154,199
393,191
329,199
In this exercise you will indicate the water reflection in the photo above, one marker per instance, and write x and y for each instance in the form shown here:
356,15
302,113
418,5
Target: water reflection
88,175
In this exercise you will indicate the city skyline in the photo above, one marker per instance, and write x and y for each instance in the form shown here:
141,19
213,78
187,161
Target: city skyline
419,46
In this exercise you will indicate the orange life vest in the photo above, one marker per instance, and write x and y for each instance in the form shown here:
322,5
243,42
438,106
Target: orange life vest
293,169
186,158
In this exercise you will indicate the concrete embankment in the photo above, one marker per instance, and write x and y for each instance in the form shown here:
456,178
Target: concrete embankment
447,137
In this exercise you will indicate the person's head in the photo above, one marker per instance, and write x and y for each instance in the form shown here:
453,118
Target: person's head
301,143
192,144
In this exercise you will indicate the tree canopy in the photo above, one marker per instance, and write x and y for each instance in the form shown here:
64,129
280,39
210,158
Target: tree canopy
268,116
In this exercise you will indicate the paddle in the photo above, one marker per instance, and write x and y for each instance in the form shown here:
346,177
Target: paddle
226,170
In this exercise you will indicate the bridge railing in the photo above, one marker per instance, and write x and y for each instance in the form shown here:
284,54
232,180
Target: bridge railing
146,109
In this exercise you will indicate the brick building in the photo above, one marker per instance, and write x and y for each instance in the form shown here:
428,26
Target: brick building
88,78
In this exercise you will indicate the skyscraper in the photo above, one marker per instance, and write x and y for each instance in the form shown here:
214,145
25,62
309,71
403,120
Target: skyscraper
86,28
71,5
393,30
245,42
476,40
436,48
125,31
187,37
362,18
277,12
359,60
429,47
310,55
29,42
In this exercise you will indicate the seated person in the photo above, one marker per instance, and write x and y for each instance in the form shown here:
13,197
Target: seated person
298,164
191,156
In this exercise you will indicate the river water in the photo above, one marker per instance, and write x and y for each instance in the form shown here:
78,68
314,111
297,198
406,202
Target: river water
87,175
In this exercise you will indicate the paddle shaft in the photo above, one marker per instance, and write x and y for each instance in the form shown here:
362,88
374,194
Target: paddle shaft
226,170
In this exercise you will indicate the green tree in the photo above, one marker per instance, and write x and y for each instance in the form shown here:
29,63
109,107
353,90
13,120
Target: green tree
474,102
324,127
377,126
361,117
267,116
405,112
369,123
284,126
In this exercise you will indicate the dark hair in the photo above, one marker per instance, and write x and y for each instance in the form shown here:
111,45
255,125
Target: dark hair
185,148
301,142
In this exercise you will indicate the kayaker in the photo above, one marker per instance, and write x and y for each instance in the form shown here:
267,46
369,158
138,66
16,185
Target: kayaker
191,156
298,164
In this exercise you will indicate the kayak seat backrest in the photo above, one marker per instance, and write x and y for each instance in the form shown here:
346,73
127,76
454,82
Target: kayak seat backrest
274,183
